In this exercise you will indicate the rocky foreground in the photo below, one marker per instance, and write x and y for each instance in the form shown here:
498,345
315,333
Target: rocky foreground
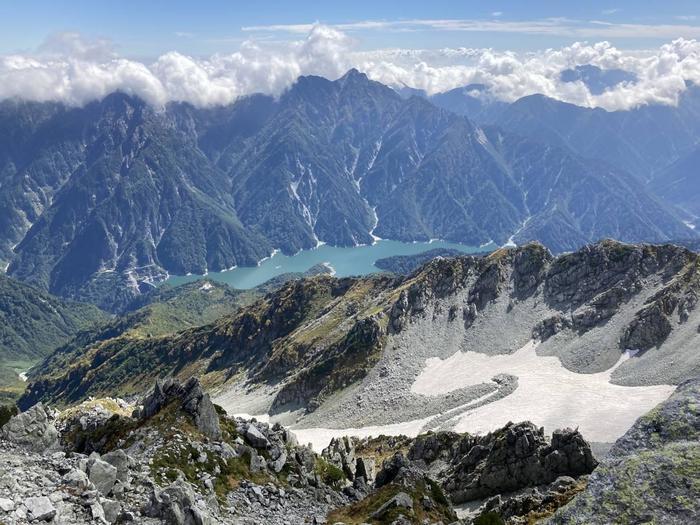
178,459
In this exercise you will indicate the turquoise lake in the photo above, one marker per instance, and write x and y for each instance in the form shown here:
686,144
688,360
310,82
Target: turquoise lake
358,260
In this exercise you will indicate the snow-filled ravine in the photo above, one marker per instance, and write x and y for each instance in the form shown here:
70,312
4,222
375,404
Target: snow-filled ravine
548,394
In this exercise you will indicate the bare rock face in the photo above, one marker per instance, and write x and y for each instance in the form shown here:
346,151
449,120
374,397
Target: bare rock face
102,475
400,501
176,505
649,329
523,506
509,459
396,468
341,453
191,398
40,508
33,429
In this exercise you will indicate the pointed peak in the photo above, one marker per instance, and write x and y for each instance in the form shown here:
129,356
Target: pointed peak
353,74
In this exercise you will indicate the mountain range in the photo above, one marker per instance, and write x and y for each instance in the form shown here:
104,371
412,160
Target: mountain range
656,143
321,346
551,379
105,200
431,367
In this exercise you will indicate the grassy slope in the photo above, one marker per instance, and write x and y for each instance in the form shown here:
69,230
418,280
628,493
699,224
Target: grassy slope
32,324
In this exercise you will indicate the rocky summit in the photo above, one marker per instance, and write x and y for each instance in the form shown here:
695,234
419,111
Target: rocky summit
176,458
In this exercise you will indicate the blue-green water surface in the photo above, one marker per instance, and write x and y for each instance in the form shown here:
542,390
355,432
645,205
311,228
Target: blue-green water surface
358,260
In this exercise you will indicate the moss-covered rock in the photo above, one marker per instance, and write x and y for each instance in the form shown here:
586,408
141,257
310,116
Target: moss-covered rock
652,474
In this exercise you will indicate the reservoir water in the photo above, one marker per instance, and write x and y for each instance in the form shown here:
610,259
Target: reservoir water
358,260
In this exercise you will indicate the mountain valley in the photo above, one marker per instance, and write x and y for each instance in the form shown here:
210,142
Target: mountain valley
107,200
350,302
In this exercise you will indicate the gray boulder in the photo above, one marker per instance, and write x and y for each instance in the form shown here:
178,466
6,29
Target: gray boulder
119,460
39,508
365,469
102,475
112,509
393,469
175,505
76,478
255,437
401,501
306,458
257,462
97,512
33,430
278,464
341,453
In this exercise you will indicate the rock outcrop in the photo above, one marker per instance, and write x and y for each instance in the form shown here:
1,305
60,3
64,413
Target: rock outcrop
33,429
176,505
190,397
161,469
529,505
512,458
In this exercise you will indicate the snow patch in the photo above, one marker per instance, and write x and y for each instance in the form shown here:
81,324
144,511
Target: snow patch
330,268
511,240
319,438
274,252
481,137
548,394
375,219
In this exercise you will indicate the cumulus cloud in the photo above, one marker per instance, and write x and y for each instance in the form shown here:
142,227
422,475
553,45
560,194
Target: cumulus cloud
73,70
661,74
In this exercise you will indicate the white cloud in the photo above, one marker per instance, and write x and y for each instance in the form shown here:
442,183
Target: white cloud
611,11
553,26
497,14
71,69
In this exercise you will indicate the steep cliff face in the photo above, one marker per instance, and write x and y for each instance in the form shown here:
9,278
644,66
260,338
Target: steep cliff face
139,198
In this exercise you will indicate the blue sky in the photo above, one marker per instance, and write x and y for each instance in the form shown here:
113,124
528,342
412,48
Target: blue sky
146,29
